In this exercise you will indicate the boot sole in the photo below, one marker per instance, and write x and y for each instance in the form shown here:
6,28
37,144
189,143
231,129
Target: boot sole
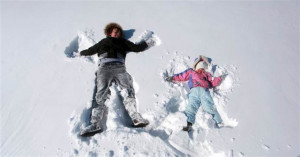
140,125
88,134
187,130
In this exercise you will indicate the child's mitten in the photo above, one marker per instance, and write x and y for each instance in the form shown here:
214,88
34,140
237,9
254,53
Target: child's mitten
169,78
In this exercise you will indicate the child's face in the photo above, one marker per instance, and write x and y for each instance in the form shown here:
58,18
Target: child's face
115,33
201,70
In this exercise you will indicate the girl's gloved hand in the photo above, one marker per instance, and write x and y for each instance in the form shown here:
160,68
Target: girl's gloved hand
169,78
223,76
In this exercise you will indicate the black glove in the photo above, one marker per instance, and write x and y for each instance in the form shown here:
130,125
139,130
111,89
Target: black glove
169,78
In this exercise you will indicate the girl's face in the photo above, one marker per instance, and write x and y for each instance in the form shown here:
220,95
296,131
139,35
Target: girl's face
201,70
115,33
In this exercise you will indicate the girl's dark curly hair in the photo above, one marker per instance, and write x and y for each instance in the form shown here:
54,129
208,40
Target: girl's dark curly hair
109,27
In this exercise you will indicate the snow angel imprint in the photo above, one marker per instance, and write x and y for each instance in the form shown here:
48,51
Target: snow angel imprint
199,82
112,52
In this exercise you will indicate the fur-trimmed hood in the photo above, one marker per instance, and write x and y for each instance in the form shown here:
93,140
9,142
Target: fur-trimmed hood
109,27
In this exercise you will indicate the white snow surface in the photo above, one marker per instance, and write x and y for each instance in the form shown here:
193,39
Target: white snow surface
47,89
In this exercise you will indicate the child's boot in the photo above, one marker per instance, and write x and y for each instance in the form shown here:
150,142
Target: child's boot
220,125
188,128
138,120
95,123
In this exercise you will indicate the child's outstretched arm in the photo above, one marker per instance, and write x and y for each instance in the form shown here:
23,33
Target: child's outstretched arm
214,82
183,76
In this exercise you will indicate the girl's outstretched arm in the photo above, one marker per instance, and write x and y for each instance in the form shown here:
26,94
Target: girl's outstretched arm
214,82
183,76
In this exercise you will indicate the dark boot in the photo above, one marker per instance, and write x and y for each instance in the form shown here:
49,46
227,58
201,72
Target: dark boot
95,123
188,127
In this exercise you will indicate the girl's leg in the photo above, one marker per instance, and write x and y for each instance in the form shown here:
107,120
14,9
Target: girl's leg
193,105
208,105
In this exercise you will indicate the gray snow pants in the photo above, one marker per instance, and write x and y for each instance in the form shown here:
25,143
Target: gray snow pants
115,73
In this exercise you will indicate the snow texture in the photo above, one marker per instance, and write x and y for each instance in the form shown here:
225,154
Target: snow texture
47,89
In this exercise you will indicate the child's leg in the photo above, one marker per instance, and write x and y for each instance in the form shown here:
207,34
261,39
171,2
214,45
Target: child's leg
208,105
193,105
104,80
124,80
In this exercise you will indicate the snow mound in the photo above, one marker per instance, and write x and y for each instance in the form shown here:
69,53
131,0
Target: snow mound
151,38
82,41
220,93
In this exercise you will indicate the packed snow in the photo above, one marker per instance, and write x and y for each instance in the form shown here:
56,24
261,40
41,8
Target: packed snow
47,89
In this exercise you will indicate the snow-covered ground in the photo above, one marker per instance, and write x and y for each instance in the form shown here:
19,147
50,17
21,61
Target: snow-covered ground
46,93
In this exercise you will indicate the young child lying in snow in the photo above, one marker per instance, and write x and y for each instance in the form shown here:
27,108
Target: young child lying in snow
199,82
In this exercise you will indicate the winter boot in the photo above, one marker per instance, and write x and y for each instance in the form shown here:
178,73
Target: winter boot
220,125
130,106
188,127
95,123
138,120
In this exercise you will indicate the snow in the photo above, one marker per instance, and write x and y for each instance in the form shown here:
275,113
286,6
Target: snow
47,90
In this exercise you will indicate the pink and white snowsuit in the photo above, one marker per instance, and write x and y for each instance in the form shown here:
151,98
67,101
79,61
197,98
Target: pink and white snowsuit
199,84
